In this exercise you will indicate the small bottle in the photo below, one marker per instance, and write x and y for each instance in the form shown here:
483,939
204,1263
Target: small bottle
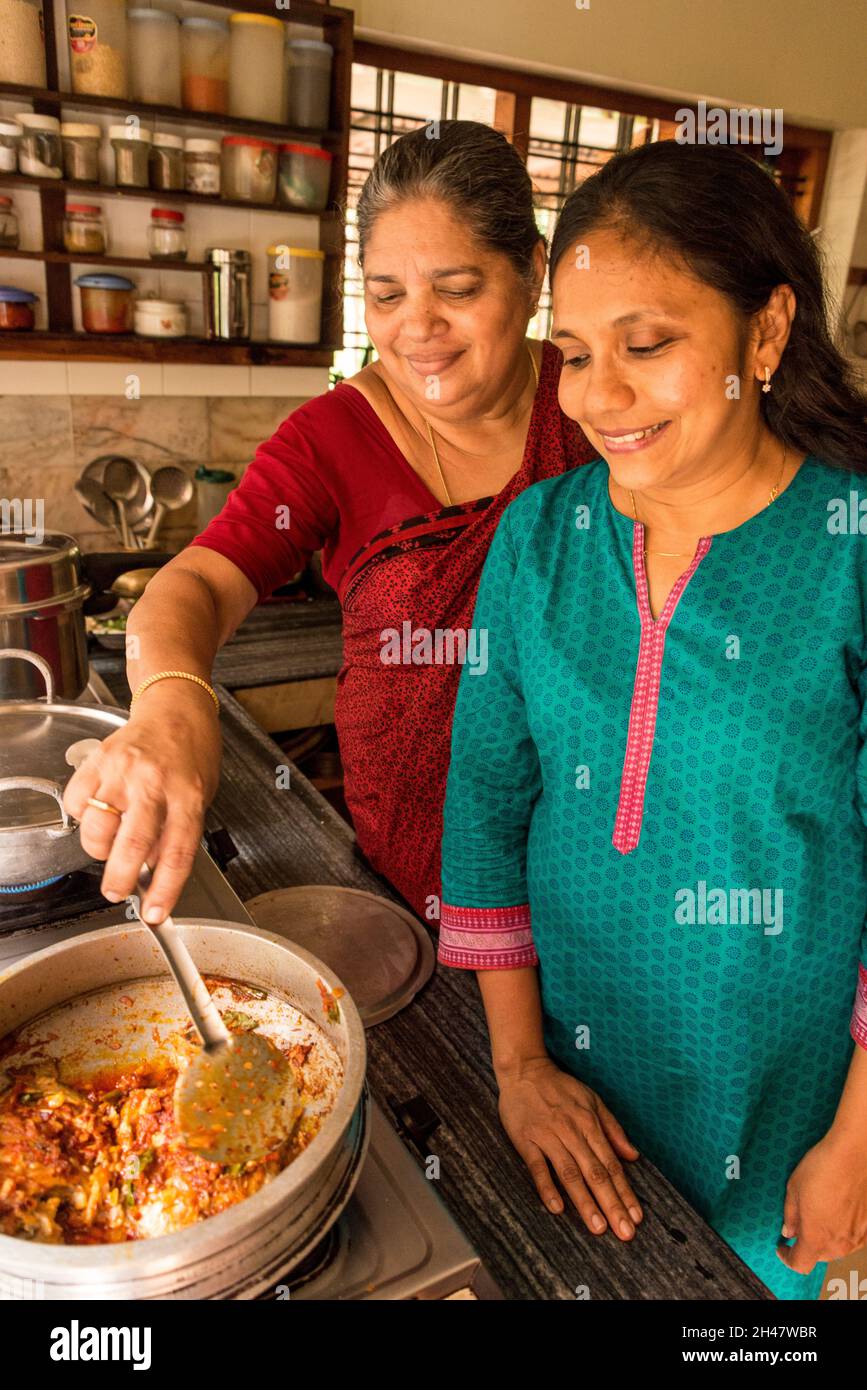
167,235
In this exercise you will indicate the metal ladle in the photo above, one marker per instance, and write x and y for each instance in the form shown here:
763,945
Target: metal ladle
236,1099
95,502
121,482
171,488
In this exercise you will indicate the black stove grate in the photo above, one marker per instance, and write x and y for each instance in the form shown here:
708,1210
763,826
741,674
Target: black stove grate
54,900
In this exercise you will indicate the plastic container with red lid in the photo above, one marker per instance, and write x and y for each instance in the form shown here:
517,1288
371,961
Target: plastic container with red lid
305,177
167,235
249,169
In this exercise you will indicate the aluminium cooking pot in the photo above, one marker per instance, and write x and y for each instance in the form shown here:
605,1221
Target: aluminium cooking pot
91,1000
38,838
46,588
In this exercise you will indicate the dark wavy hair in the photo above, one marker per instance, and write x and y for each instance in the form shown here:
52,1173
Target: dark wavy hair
721,213
470,167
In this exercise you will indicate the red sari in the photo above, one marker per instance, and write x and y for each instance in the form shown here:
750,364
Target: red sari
419,566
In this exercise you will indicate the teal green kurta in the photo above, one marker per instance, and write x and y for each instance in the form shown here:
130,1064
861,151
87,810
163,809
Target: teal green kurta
718,1024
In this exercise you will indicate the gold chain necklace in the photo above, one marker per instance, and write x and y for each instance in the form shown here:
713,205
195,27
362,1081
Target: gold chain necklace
681,554
433,442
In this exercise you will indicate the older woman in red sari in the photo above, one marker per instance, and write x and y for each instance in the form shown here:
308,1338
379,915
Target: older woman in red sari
400,476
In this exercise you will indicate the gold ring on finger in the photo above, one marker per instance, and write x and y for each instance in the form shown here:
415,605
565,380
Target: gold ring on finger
103,806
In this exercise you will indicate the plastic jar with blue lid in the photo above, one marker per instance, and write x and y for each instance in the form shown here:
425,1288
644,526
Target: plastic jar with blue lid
16,309
106,303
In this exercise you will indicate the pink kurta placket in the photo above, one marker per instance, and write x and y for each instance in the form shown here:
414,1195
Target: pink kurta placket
645,693
858,1026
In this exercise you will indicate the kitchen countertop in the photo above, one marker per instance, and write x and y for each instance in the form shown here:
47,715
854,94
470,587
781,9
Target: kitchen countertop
437,1047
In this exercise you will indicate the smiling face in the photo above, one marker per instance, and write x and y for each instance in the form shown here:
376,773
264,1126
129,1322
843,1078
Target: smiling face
647,347
438,304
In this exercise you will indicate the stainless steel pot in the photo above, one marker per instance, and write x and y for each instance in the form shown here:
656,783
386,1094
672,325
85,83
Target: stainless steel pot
44,591
244,1251
38,840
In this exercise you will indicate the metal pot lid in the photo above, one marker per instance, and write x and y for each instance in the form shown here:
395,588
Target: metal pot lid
34,737
379,950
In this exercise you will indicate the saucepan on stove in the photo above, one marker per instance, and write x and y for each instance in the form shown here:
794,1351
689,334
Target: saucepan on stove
98,1197
38,839
46,588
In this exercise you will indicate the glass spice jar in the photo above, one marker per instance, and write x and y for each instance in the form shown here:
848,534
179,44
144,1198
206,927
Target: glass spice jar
167,163
131,145
10,139
167,235
202,166
8,224
81,151
40,153
84,229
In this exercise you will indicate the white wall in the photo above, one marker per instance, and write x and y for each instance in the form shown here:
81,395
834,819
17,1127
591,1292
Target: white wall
804,56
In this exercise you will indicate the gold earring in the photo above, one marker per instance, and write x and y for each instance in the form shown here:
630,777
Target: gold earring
767,385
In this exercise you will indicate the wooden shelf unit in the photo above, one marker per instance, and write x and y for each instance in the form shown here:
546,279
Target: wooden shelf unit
127,347
61,341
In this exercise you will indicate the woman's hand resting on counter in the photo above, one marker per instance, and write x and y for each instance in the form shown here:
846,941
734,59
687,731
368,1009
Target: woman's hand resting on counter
555,1121
161,770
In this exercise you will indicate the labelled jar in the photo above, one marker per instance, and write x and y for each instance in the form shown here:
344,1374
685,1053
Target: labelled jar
309,83
97,33
167,162
131,145
295,294
8,223
81,143
154,56
257,67
167,235
40,153
249,169
10,142
205,65
84,229
202,166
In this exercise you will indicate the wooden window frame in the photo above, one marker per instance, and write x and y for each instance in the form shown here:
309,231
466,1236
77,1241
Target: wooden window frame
803,162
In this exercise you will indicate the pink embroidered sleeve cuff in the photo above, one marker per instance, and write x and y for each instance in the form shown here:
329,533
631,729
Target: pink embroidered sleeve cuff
486,938
858,1026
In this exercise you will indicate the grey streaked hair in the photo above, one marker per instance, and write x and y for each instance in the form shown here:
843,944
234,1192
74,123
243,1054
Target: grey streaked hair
470,167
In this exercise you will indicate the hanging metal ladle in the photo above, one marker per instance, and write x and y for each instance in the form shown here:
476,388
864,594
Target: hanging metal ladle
120,482
171,488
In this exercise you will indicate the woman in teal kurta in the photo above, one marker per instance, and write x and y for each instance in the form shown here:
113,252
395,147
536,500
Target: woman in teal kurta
663,809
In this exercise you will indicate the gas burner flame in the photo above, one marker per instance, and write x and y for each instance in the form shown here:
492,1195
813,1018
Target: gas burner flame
29,887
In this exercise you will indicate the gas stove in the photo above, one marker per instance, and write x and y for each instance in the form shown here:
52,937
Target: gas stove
394,1239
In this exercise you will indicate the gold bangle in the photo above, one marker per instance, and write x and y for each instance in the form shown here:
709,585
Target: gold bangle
175,675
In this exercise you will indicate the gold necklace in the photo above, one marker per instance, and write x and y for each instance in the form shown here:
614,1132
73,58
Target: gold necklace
433,442
681,554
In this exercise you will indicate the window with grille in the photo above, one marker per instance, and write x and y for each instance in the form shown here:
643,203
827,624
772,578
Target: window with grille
563,143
